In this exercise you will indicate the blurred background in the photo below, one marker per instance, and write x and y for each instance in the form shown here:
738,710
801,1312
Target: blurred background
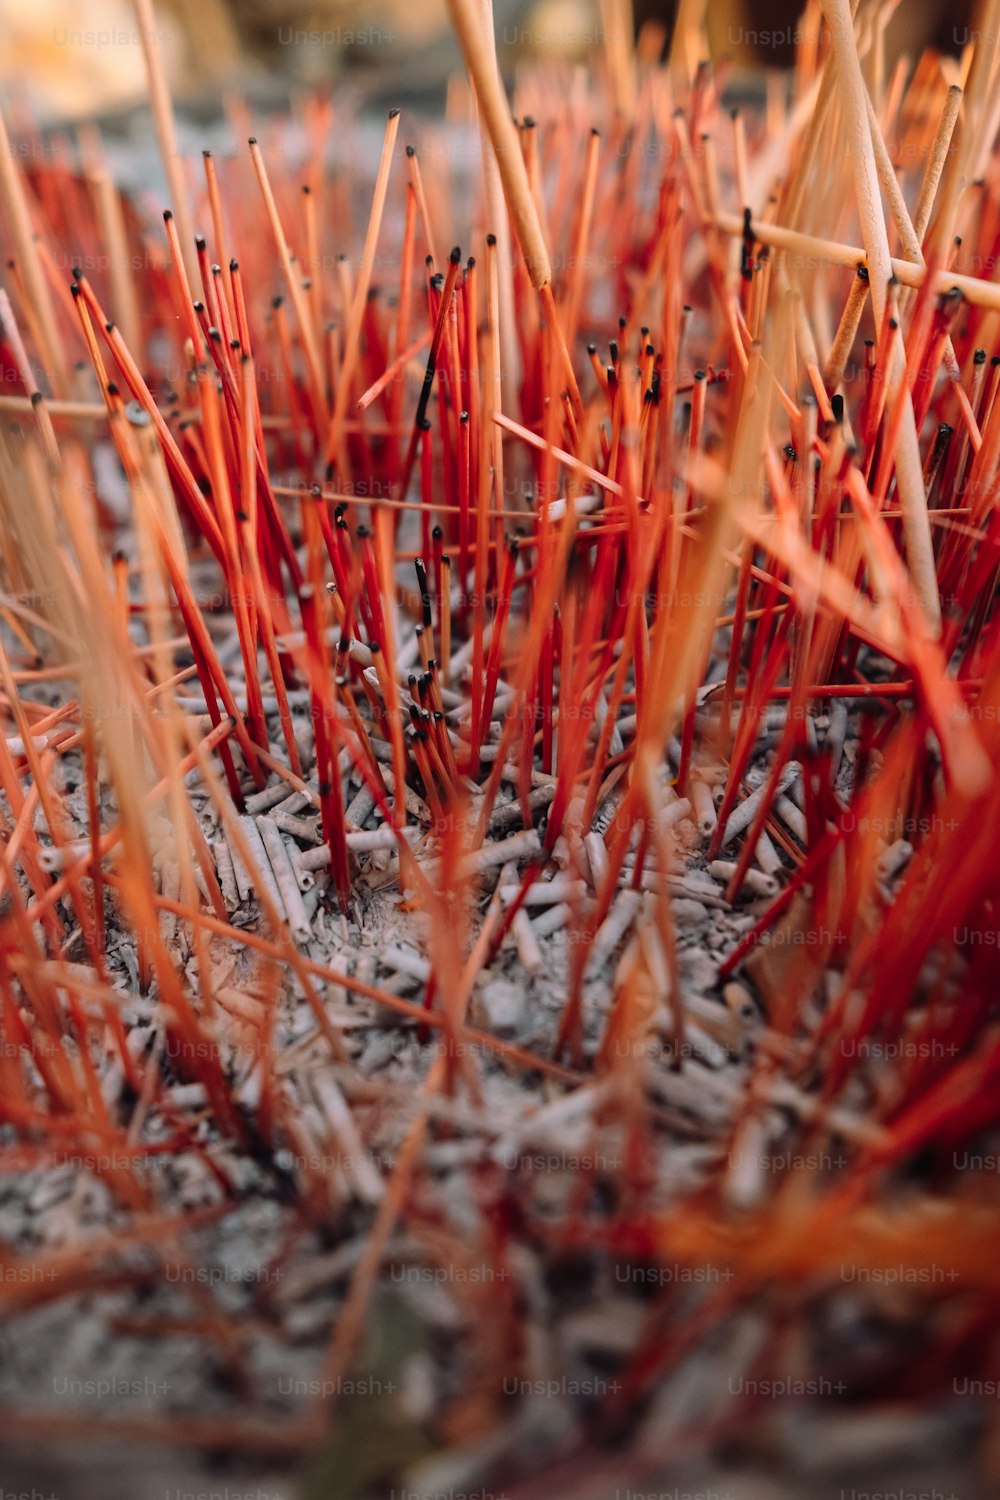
66,60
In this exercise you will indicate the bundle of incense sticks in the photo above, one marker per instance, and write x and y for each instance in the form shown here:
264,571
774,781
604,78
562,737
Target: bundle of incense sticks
633,559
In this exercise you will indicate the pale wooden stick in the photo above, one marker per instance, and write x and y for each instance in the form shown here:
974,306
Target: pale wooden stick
740,164
989,124
978,112
813,134
15,204
618,23
813,248
909,469
292,279
498,224
352,337
495,112
57,408
166,134
689,30
909,243
34,399
908,238
936,161
833,370
124,303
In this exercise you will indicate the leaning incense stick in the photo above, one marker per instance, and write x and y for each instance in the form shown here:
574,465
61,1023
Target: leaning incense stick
12,192
498,225
936,160
166,131
618,24
909,470
843,343
466,18
353,333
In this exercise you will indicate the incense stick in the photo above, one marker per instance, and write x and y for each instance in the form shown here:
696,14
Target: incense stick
466,18
909,470
166,131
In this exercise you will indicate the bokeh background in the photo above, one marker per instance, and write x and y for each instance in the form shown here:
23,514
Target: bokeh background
68,60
